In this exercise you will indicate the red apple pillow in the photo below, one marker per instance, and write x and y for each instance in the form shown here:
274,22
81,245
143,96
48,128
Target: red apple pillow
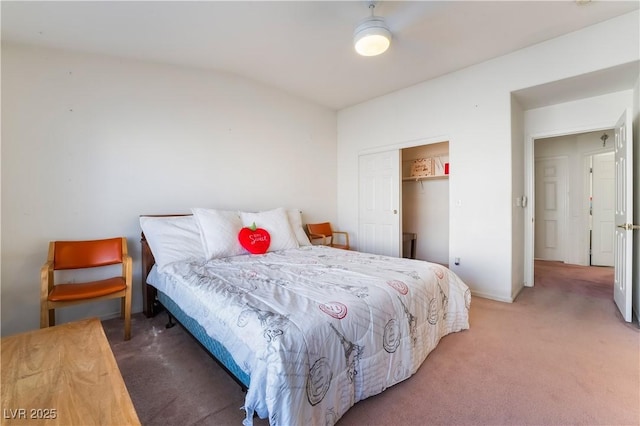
254,240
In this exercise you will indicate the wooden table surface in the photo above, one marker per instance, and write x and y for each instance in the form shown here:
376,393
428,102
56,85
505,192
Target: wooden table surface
63,375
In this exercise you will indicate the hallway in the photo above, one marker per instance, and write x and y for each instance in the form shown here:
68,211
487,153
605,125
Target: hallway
594,281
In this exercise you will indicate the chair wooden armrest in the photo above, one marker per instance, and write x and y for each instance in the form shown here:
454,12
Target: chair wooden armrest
46,275
125,302
346,236
46,285
127,267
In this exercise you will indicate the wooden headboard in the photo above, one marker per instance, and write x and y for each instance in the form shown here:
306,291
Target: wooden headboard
150,305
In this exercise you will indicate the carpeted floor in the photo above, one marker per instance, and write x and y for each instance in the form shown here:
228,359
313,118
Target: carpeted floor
560,354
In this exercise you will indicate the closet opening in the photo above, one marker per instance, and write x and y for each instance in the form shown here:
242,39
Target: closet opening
425,202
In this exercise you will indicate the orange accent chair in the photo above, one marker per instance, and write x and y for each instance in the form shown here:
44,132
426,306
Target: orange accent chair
324,231
67,255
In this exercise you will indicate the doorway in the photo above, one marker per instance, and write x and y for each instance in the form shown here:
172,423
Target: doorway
566,194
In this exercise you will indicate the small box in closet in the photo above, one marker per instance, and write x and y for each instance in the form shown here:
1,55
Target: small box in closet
422,167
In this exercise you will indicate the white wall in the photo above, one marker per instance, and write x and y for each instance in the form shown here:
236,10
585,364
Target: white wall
89,143
517,193
471,108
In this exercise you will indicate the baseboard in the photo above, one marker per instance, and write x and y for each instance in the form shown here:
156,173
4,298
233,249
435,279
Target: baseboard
109,316
116,314
492,296
514,294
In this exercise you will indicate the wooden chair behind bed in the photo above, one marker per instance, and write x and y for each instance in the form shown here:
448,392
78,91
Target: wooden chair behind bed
325,232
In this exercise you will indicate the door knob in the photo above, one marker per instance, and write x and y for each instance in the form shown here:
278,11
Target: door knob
395,211
629,226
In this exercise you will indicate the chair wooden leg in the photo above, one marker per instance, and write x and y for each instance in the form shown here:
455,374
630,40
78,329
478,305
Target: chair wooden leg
127,317
52,317
44,315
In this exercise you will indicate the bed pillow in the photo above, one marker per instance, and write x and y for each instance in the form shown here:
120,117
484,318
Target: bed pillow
172,239
219,232
276,222
295,219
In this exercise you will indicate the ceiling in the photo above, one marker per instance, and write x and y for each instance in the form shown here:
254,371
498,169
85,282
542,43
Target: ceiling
305,47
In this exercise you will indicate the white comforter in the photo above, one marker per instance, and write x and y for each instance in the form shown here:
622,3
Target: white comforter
318,329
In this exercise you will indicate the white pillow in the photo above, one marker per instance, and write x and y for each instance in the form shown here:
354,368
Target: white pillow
276,222
172,239
295,219
219,232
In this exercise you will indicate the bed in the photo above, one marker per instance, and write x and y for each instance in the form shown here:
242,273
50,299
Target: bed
307,330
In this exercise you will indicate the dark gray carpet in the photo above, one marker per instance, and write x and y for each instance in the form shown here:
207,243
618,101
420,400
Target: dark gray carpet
172,380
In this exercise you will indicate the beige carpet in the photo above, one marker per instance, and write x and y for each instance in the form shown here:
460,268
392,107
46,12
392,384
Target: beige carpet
559,355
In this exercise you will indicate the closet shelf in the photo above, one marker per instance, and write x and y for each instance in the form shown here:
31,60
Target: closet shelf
421,178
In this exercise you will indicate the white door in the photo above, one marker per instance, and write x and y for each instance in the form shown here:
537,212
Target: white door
623,249
550,223
379,204
602,205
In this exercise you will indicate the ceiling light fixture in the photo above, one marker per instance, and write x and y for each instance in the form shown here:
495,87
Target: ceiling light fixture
372,36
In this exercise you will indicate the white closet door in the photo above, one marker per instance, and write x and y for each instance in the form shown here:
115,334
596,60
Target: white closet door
551,202
603,214
379,204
